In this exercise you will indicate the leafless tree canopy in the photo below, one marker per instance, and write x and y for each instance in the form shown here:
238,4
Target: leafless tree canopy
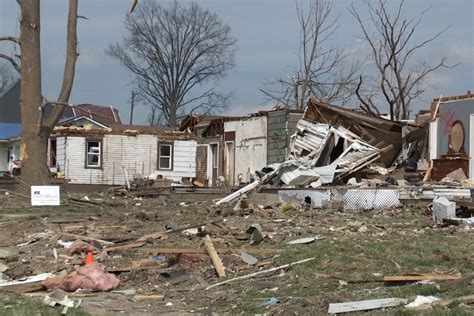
390,37
172,51
323,71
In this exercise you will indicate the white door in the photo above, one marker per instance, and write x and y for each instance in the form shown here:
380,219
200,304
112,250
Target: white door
471,146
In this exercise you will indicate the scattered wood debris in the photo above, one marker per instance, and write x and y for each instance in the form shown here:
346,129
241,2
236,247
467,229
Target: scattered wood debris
420,277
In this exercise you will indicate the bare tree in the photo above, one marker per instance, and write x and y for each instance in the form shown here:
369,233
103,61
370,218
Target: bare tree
323,71
155,117
390,37
6,78
173,51
36,125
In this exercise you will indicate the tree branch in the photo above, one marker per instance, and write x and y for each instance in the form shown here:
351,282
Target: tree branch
12,62
70,66
10,38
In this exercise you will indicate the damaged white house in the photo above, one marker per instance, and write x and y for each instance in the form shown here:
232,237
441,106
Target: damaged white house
86,155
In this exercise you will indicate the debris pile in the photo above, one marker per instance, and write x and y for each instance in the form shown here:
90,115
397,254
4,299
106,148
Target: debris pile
191,255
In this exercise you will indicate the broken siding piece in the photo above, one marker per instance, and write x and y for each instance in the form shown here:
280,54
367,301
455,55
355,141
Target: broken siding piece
336,308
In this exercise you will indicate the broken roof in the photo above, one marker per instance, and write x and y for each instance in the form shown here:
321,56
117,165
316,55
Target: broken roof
376,131
105,115
123,129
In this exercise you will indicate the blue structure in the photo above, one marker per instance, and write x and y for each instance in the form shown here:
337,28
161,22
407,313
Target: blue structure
9,130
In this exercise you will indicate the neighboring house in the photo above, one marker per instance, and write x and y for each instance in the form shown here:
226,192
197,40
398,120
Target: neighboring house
231,149
9,145
90,155
210,149
10,127
245,147
452,135
105,115
10,111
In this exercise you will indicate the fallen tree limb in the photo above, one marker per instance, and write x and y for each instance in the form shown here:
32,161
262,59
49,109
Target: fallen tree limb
252,275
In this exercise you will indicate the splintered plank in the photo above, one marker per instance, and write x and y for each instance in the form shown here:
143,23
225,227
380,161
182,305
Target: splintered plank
421,277
336,308
216,260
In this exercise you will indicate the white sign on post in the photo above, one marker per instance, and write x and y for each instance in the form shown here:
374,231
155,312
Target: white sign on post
45,195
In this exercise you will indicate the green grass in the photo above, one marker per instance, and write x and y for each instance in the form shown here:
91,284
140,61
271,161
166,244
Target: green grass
19,306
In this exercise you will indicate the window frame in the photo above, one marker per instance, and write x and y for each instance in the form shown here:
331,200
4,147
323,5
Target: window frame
86,164
171,156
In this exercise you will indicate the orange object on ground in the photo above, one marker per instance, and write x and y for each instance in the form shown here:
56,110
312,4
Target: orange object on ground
89,258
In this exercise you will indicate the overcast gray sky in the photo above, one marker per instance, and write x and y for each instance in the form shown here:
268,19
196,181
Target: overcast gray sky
267,34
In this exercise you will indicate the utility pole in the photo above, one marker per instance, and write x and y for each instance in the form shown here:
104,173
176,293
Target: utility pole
295,88
132,106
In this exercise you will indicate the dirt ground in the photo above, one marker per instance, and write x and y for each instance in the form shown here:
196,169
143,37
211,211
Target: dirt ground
352,253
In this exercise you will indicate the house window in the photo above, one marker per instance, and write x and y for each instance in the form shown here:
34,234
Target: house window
93,153
165,156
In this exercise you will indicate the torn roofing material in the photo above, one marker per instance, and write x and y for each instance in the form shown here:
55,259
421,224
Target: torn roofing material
376,131
323,150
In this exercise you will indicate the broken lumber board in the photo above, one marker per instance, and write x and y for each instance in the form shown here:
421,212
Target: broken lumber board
203,251
216,260
428,172
124,247
336,308
252,275
149,297
105,242
30,284
23,288
421,277
446,303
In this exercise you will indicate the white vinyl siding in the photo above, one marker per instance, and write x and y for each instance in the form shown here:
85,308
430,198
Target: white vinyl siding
184,161
138,154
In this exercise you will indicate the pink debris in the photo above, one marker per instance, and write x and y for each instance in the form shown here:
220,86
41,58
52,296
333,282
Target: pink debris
80,246
93,277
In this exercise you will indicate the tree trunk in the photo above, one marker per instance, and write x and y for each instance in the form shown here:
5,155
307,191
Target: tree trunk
36,128
33,146
173,117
